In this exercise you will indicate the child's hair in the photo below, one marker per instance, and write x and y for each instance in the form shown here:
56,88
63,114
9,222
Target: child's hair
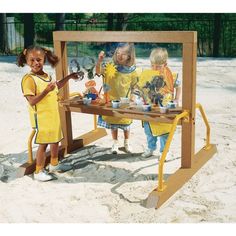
159,56
130,52
48,55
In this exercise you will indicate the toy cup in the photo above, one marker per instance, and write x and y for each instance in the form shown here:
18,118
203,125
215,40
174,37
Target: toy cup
87,101
172,105
163,110
124,100
147,107
115,104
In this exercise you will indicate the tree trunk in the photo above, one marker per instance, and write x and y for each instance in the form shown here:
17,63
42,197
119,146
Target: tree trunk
3,34
216,34
60,20
29,32
121,23
110,18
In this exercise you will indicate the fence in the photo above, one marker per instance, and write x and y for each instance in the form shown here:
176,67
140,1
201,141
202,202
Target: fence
43,33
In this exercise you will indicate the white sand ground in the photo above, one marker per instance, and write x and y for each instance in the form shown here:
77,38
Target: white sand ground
107,188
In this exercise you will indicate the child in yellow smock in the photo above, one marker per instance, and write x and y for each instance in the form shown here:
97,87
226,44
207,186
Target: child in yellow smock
159,83
119,86
41,94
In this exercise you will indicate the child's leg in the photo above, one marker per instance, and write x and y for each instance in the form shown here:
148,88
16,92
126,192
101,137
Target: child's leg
115,145
163,139
55,166
151,140
126,134
114,134
126,141
40,157
54,154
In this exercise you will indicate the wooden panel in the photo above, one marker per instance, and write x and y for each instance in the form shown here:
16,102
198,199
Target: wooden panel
179,178
125,36
188,103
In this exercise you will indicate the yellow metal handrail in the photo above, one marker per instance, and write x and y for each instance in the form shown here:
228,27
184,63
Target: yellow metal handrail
95,122
30,152
208,145
161,185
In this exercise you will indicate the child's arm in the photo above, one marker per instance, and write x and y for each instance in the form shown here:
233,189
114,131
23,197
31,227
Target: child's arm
177,94
33,100
63,81
101,56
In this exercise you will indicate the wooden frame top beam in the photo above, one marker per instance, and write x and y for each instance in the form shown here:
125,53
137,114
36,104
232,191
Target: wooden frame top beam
126,36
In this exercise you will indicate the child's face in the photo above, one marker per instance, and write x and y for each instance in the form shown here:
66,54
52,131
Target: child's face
122,56
158,66
35,60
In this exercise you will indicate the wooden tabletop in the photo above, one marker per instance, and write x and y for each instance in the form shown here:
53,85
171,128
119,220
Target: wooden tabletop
131,111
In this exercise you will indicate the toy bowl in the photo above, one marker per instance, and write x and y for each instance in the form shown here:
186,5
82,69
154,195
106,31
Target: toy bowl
87,101
124,100
163,110
172,105
115,103
93,96
147,107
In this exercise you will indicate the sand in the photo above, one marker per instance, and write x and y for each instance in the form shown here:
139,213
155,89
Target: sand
105,188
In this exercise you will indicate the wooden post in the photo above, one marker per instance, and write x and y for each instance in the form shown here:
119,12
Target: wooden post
189,101
61,72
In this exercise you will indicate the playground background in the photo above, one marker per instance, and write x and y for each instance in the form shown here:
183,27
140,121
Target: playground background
107,188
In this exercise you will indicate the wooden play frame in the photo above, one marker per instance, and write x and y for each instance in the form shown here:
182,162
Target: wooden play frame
190,162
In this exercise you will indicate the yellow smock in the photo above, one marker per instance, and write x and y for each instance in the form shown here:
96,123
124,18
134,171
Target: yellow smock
44,116
167,91
119,86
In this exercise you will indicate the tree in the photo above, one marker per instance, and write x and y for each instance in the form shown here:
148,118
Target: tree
29,31
110,18
216,34
121,22
3,34
60,19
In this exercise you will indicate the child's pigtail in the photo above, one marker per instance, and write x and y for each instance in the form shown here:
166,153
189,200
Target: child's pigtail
21,59
51,57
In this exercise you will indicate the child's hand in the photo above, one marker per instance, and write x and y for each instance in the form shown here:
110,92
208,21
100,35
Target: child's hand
77,75
50,87
101,56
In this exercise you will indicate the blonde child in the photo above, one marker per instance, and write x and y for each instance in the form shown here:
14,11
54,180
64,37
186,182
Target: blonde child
164,83
120,84
41,94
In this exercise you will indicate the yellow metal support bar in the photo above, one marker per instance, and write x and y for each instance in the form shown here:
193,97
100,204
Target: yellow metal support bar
161,185
95,121
208,145
30,152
